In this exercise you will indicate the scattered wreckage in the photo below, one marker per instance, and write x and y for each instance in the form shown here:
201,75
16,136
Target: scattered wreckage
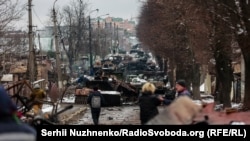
203,113
115,92
20,94
120,83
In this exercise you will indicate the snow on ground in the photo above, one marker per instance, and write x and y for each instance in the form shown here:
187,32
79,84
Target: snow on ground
48,107
69,99
206,99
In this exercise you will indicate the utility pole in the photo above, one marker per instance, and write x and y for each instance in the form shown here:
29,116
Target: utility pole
40,47
80,29
58,61
90,44
117,39
105,38
98,37
111,38
31,62
90,48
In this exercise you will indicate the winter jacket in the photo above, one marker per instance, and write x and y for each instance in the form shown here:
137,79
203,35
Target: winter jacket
148,106
185,92
38,95
11,127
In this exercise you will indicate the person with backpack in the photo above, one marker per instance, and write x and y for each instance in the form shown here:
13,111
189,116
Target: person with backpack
95,101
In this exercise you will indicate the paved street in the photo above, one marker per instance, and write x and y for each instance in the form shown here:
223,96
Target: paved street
129,115
120,115
117,115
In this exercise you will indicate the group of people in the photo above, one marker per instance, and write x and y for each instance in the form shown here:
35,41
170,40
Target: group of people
149,102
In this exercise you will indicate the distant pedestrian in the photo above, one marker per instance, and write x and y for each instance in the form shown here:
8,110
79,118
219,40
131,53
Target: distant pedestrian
179,90
11,127
37,96
96,101
148,103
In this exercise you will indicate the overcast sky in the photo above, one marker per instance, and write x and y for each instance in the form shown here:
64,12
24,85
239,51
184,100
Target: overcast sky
115,8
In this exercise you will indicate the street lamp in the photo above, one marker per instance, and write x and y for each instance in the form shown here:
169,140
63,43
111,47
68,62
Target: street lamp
58,62
31,71
102,16
90,44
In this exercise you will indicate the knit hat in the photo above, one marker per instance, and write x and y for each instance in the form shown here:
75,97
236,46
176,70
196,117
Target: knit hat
181,82
7,107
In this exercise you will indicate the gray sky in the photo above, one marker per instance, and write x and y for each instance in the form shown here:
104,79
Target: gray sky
115,8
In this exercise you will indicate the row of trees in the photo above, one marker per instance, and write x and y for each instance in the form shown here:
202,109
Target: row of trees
192,34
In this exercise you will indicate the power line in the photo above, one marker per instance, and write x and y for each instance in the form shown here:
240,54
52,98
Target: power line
38,17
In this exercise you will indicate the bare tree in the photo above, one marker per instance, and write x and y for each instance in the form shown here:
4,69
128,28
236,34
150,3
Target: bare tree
10,42
230,24
10,11
239,14
173,30
73,30
221,36
190,33
13,47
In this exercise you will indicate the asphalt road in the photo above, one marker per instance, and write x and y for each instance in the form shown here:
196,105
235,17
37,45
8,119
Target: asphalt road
118,115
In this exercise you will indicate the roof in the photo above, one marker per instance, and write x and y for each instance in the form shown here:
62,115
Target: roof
7,78
18,69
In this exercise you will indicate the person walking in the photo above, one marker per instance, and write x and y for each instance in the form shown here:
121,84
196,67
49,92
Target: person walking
37,96
148,103
11,127
96,101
